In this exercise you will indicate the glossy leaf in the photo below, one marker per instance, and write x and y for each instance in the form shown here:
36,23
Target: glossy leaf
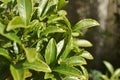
86,55
67,70
25,8
5,53
84,24
51,52
60,46
109,67
52,29
37,65
75,61
31,54
16,22
12,36
17,73
62,3
82,43
42,6
71,78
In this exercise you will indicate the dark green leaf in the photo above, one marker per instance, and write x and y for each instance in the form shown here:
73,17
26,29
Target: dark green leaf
31,54
51,52
25,8
37,65
52,29
5,1
75,61
109,67
17,73
16,22
12,36
86,55
67,70
5,53
85,23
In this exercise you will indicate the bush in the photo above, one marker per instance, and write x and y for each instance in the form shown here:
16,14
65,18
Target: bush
38,42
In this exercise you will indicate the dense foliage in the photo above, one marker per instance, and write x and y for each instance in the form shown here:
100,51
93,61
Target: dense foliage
37,41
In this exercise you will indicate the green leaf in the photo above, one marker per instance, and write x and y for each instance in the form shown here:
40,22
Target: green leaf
60,45
109,67
5,53
10,35
62,3
116,74
37,65
51,52
84,24
71,78
67,70
16,22
5,1
42,7
25,8
52,29
75,61
49,76
82,43
85,72
31,54
68,48
17,72
86,55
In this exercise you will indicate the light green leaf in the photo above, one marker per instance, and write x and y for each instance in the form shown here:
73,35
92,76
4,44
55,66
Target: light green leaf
68,48
86,55
52,29
109,67
16,22
51,52
82,43
62,3
84,24
75,61
60,46
71,78
31,54
17,72
25,8
5,1
5,53
67,70
37,65
49,76
42,7
116,74
85,72
10,35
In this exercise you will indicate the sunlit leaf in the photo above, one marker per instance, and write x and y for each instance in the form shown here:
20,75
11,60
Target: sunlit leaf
84,24
16,22
52,29
51,52
37,65
5,53
60,46
85,72
49,76
109,67
12,36
31,54
116,73
75,61
25,8
67,70
42,6
86,55
82,43
17,72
